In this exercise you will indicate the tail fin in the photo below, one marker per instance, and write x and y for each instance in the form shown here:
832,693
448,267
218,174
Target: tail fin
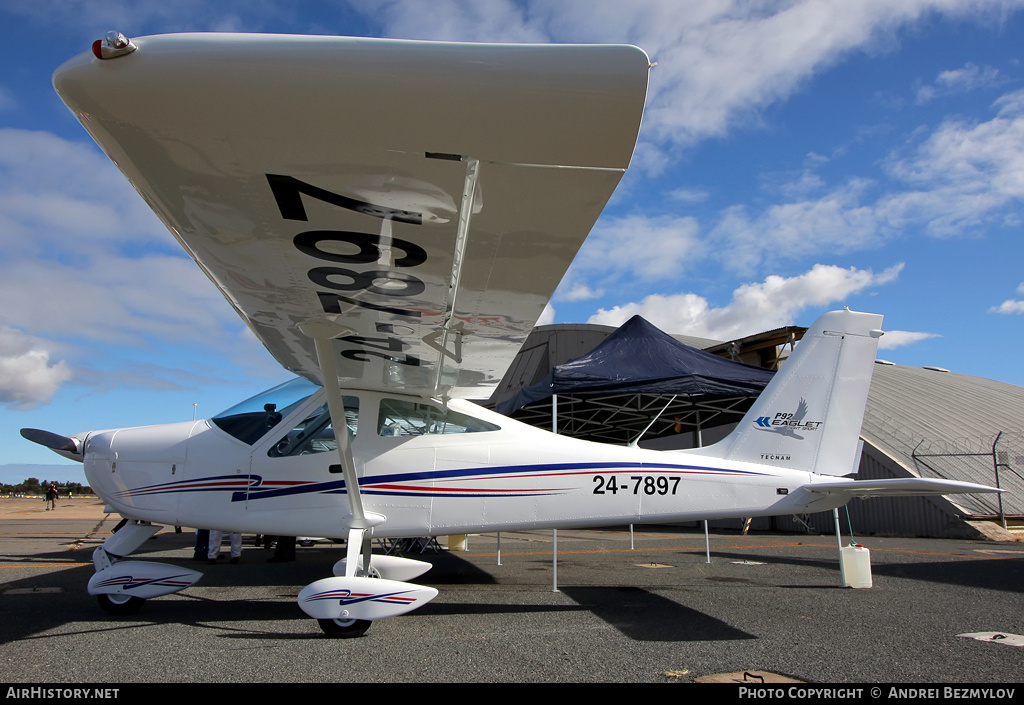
809,416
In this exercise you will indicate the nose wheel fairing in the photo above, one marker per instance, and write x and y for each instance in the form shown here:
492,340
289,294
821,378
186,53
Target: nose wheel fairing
141,579
123,586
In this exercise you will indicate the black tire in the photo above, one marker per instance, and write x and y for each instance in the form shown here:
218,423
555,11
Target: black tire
120,605
344,628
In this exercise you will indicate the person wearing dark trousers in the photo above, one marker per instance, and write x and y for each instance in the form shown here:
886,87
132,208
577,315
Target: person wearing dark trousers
202,544
51,497
284,552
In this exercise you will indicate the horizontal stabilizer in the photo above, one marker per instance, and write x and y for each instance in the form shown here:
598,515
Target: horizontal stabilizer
897,487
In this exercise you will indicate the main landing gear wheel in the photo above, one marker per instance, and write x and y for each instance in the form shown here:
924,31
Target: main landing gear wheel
120,604
344,628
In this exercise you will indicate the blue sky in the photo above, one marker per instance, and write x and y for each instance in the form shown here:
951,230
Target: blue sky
795,157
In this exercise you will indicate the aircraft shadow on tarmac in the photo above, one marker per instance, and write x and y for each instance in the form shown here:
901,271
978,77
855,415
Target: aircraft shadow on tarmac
56,598
1006,574
637,613
645,616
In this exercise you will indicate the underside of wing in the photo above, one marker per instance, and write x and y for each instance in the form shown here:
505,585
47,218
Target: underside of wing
417,203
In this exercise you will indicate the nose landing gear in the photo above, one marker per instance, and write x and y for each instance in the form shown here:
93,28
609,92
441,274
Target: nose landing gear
122,587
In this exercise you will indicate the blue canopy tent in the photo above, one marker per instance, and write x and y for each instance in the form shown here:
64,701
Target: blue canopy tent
639,373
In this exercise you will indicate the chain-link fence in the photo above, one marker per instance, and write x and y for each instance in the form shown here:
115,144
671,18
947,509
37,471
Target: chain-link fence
994,458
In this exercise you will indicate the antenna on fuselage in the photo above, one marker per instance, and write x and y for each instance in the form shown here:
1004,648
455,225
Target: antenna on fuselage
647,428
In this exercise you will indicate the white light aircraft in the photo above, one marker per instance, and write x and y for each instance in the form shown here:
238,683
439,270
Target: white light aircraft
389,218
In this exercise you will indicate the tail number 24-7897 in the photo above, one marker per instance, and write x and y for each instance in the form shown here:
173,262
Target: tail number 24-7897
636,484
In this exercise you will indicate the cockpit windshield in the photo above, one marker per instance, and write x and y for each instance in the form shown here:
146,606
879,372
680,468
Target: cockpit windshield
251,419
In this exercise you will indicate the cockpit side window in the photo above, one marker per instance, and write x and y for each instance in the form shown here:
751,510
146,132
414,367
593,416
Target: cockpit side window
399,417
315,433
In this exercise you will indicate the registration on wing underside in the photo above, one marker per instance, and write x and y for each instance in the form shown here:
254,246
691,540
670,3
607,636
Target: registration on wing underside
418,304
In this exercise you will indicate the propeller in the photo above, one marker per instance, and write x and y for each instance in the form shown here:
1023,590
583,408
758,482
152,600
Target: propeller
53,441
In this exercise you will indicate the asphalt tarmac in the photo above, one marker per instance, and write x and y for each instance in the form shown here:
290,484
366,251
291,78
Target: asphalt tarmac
653,612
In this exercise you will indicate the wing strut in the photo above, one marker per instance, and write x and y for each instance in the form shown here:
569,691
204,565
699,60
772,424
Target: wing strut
439,339
345,605
360,521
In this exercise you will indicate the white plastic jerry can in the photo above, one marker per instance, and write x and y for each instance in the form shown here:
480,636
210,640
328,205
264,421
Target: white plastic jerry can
855,566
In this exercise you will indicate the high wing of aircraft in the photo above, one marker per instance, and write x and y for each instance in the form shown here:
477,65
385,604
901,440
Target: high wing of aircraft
418,201
390,218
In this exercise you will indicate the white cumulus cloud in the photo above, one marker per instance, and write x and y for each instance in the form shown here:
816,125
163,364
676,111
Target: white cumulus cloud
956,81
719,62
27,376
963,175
647,247
901,338
1010,306
755,307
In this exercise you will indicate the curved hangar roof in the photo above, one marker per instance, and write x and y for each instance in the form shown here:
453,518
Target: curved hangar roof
937,423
